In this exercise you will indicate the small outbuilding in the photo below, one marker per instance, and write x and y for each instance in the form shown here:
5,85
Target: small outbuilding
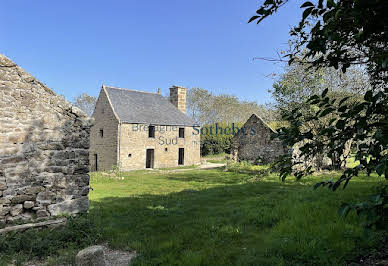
253,143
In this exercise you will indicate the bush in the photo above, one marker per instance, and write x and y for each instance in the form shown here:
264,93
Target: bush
77,233
247,168
216,138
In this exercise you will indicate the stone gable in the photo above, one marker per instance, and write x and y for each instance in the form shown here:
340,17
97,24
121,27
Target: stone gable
254,144
117,139
44,156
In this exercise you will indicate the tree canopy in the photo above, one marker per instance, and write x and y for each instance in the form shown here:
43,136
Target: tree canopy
207,108
341,34
86,103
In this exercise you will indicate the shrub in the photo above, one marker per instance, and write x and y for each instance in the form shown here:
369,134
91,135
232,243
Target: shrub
216,138
77,233
247,168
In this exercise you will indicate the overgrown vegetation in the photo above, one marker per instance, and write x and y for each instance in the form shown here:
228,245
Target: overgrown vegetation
341,34
59,245
217,158
216,138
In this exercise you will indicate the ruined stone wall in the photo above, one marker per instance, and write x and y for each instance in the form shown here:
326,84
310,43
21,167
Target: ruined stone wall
254,143
103,148
134,141
44,142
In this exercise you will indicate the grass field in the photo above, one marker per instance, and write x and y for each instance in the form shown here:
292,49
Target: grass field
216,158
215,217
208,217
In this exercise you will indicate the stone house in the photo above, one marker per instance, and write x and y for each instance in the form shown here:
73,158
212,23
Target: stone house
253,143
44,156
139,130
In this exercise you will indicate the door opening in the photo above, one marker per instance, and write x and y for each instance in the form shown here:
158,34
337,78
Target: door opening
150,158
181,156
96,162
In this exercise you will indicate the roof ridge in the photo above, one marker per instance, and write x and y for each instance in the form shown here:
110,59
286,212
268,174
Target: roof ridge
262,120
125,89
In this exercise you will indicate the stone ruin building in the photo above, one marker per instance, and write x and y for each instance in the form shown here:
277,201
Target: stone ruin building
253,143
44,157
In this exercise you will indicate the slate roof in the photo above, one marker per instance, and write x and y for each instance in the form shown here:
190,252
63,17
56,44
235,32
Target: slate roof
140,107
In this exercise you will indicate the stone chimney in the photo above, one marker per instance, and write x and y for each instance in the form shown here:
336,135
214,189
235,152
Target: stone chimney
178,97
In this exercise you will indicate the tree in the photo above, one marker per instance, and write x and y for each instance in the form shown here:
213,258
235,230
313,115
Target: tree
207,108
340,34
199,105
299,82
216,112
86,103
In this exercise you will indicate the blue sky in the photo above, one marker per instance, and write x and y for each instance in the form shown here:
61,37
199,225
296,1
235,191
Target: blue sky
75,46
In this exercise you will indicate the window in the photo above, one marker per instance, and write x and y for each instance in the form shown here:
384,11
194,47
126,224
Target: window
181,132
101,133
151,131
165,149
129,155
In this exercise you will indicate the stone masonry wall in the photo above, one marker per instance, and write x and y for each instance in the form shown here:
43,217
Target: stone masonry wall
134,141
178,97
44,142
104,147
254,143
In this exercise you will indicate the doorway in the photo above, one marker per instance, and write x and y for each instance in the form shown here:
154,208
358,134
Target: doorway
96,162
150,158
181,156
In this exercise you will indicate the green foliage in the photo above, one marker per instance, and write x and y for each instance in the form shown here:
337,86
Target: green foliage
373,212
364,122
167,218
216,138
258,171
79,232
340,34
208,108
116,171
300,81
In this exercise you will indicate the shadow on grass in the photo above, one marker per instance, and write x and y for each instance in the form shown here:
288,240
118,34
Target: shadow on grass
210,177
232,224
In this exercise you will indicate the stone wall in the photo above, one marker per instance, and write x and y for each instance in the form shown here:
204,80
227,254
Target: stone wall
254,143
44,142
134,141
124,145
104,147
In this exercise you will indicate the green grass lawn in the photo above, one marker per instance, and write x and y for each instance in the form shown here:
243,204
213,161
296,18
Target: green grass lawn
207,217
214,217
216,158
